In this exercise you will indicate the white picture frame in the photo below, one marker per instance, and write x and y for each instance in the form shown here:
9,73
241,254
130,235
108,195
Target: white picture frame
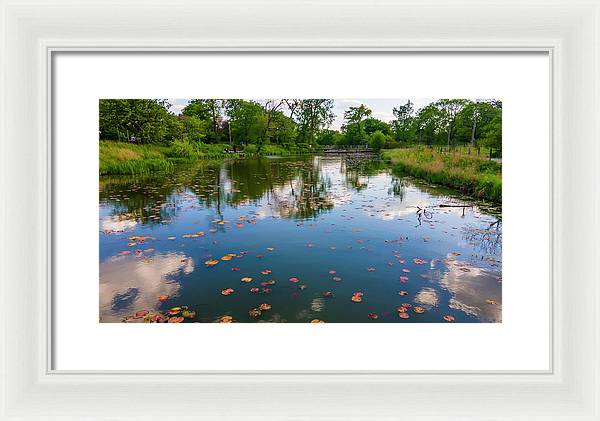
32,32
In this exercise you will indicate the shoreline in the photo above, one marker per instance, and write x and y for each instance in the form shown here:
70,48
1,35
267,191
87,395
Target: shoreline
469,174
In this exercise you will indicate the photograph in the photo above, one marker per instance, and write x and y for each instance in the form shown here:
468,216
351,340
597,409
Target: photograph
300,210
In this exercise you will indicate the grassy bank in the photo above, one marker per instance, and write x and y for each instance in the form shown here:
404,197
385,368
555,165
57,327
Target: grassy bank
125,158
470,174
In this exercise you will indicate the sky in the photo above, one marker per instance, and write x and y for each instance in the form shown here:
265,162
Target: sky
382,108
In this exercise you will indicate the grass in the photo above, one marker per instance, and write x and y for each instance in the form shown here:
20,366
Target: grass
125,158
470,174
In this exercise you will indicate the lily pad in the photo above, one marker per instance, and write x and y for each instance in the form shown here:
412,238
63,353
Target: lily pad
227,291
254,312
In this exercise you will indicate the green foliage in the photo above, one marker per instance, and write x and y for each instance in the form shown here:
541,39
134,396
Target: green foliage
183,148
451,122
329,137
469,173
122,158
311,115
403,124
354,125
377,140
208,127
372,125
145,119
247,121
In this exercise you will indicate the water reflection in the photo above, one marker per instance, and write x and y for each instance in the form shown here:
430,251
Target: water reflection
130,283
297,217
475,291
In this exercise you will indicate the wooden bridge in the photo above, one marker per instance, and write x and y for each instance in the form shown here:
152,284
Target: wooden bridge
355,149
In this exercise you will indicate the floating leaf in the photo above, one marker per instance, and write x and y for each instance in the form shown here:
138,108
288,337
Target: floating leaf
225,319
403,315
492,302
140,314
158,318
419,261
403,293
328,294
401,310
171,238
317,321
448,318
406,270
403,278
176,319
247,279
264,307
188,314
254,290
163,297
211,262
226,258
254,312
174,311
266,272
332,272
235,269
419,310
370,269
270,248
227,291
336,278
373,316
294,280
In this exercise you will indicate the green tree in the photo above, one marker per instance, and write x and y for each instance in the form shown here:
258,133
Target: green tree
146,120
311,115
353,128
449,109
208,110
427,123
246,120
403,123
371,125
329,137
377,140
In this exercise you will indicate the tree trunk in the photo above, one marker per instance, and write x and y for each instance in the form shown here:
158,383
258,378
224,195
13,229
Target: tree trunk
473,129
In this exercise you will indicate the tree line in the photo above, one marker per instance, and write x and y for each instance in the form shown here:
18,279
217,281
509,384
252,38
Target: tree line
300,123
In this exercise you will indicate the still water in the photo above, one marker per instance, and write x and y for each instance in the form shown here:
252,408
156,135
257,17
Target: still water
333,239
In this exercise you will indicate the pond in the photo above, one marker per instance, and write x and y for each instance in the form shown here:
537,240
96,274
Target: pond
319,238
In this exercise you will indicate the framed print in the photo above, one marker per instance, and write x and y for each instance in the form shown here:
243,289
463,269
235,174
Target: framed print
299,211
